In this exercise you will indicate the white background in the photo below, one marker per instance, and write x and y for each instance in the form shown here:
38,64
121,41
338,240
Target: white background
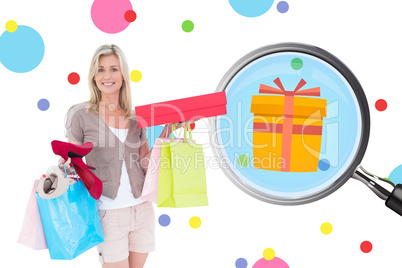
365,35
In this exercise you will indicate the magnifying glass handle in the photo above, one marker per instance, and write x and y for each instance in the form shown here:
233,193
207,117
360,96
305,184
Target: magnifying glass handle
376,188
393,199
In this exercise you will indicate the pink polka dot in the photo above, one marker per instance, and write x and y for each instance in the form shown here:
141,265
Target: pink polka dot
274,263
108,16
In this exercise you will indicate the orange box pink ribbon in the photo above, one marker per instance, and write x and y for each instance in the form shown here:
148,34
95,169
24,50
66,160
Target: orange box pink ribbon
295,119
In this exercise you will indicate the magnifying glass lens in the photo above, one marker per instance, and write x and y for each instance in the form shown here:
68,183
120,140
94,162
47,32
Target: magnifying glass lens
295,122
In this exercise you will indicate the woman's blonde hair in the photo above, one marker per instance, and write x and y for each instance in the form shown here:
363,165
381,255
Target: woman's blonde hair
125,91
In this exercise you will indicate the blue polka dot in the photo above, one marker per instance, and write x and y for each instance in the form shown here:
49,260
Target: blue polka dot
396,175
164,220
283,6
21,51
251,8
43,104
324,164
241,263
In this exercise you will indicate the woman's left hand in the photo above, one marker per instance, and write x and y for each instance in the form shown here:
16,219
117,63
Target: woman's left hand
184,123
169,127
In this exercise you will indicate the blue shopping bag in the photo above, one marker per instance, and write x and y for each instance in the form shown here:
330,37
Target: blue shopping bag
71,222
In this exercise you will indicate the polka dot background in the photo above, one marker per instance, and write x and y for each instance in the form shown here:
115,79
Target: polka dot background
283,7
130,15
252,8
11,26
21,48
31,48
270,260
296,64
112,17
73,78
164,220
43,104
381,105
243,160
269,254
136,76
187,26
323,164
241,263
396,175
366,246
326,228
195,222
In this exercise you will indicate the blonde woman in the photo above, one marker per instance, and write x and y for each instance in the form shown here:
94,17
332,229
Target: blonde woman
120,156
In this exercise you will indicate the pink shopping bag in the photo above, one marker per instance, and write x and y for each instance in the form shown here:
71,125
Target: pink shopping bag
32,234
150,189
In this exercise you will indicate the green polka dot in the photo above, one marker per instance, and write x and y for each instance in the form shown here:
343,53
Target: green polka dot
296,64
187,26
243,160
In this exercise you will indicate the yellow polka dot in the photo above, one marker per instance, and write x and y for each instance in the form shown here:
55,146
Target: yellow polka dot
268,254
11,26
135,76
326,228
195,222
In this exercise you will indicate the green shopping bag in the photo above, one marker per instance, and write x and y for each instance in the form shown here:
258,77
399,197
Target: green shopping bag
182,180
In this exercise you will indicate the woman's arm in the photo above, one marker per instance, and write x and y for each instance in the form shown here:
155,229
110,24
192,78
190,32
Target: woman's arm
145,155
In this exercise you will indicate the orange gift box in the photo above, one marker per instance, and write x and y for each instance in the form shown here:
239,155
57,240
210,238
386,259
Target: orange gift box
287,129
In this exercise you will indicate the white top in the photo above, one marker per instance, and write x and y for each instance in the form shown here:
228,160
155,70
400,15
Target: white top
125,197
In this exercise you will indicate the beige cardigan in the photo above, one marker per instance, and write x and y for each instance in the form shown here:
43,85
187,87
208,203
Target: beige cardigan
108,152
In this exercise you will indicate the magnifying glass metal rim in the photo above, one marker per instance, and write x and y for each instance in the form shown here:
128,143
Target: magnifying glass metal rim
360,96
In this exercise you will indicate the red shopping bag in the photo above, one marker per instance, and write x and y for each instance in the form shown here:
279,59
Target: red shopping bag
32,234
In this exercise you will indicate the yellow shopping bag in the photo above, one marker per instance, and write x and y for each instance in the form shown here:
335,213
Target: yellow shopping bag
182,180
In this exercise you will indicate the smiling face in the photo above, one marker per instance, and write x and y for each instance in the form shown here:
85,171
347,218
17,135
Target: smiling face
109,78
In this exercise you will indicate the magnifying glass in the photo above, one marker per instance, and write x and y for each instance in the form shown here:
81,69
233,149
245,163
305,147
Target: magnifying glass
297,126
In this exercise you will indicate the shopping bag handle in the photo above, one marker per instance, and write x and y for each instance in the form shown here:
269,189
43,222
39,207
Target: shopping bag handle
65,171
167,130
186,128
174,130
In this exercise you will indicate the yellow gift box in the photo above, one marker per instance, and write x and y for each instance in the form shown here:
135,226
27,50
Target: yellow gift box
287,129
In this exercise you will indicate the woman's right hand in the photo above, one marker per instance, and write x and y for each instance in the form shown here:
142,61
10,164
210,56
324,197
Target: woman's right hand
66,163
